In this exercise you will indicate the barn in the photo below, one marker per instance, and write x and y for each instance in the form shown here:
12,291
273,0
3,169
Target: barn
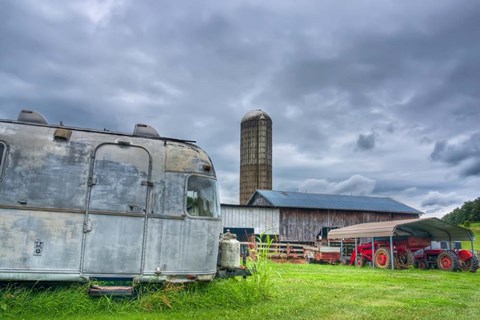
300,217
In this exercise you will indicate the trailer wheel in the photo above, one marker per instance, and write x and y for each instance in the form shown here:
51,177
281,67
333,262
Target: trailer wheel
422,265
361,262
447,261
382,258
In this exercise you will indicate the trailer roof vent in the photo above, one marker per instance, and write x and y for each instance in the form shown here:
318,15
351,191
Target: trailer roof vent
32,117
144,130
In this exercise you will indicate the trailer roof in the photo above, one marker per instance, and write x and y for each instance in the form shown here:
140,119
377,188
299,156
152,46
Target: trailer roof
434,228
104,131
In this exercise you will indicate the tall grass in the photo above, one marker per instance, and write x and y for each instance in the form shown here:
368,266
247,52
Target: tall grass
263,276
20,301
309,291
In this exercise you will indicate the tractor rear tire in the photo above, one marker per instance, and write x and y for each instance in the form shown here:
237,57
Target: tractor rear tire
447,261
382,258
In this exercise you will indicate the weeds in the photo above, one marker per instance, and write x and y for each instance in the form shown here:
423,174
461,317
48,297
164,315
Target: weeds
303,292
20,301
261,269
73,300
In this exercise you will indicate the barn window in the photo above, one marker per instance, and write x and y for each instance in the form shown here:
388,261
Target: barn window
202,197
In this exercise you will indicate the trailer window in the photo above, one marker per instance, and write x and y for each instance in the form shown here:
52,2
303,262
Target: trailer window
202,197
3,149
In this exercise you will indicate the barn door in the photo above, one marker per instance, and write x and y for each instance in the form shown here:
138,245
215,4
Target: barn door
116,212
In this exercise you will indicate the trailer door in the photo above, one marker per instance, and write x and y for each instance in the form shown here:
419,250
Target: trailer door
115,221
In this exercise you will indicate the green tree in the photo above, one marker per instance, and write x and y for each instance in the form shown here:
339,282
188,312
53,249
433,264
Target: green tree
469,211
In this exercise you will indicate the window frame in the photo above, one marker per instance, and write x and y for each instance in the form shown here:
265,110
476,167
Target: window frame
218,215
3,158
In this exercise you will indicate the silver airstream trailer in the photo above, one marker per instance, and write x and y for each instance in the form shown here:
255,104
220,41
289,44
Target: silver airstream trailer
77,204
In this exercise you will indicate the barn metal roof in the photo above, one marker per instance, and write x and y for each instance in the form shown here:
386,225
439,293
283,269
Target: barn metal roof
285,199
434,228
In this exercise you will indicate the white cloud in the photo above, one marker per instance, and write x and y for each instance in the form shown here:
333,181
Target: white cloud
98,11
355,185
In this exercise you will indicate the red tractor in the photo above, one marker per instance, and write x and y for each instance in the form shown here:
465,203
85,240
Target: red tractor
410,251
448,260
402,252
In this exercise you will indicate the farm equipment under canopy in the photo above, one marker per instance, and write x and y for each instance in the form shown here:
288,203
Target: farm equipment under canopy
405,243
413,251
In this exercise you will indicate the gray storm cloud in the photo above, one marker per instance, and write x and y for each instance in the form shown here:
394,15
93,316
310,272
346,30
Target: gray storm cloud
366,141
465,153
325,71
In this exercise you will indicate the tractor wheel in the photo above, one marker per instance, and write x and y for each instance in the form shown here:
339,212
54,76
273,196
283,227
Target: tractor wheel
447,261
422,265
361,262
469,264
382,258
464,265
404,260
474,264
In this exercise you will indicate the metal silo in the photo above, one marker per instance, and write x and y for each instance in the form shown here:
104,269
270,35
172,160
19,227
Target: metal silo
255,154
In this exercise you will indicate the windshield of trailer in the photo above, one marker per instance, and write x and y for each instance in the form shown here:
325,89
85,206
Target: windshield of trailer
202,197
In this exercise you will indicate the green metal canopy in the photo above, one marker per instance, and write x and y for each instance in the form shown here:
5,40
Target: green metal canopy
433,228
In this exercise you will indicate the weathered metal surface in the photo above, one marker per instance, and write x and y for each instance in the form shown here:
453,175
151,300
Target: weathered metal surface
287,199
101,204
263,220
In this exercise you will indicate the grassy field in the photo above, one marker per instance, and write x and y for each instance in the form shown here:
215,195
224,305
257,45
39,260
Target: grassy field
287,291
475,227
283,291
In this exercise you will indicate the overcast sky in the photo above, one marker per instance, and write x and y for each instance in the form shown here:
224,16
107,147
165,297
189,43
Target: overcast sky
376,98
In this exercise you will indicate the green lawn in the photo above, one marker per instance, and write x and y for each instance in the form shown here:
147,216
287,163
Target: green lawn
298,292
475,227
277,291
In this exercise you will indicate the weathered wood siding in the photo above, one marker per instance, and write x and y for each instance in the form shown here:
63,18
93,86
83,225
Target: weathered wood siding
260,201
303,225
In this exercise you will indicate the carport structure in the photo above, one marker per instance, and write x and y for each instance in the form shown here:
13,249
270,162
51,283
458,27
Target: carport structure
432,228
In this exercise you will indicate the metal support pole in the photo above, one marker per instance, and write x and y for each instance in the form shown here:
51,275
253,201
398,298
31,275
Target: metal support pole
341,250
373,252
391,253
356,252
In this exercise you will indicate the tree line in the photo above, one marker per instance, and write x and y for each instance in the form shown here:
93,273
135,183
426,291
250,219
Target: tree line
467,213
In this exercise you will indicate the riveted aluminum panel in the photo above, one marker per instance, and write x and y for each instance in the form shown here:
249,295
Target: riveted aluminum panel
137,214
60,232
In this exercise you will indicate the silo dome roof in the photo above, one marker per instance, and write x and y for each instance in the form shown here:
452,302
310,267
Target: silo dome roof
256,115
